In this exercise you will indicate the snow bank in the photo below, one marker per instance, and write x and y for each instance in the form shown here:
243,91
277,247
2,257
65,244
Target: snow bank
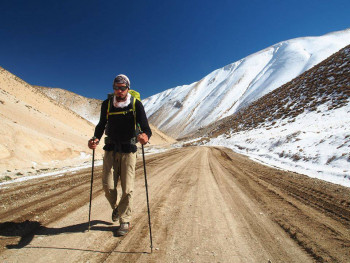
316,144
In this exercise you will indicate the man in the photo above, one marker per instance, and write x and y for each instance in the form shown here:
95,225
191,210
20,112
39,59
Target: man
121,116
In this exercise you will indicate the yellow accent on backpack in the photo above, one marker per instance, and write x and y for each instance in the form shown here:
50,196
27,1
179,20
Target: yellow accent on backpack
135,94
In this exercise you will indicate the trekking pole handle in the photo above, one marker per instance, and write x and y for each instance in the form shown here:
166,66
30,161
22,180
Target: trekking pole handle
92,141
139,126
140,131
94,138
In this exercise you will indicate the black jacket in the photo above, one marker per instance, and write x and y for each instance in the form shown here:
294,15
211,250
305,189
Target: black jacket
121,127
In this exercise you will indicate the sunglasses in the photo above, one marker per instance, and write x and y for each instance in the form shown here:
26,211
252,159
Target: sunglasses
122,88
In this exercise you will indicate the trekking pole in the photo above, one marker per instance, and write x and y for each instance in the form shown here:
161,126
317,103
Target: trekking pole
149,214
92,180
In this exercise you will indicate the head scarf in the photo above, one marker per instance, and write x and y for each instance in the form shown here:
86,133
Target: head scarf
122,79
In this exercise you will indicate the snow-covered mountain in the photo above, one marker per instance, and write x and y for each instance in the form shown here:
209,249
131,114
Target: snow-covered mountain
185,109
303,126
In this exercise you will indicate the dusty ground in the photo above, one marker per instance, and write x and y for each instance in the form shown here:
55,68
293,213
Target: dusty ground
207,205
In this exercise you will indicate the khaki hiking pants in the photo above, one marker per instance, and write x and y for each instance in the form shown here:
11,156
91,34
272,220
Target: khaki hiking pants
124,169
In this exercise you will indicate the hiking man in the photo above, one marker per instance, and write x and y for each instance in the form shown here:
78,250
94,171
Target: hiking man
121,115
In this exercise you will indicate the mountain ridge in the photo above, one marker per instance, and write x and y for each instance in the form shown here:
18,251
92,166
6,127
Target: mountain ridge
303,126
265,108
74,102
184,109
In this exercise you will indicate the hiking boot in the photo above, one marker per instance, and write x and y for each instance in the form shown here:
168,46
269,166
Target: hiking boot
115,215
123,229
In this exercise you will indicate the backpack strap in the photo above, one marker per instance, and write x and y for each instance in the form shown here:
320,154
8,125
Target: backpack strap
134,109
109,104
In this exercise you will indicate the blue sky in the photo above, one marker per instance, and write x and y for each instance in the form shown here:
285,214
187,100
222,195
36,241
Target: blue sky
81,46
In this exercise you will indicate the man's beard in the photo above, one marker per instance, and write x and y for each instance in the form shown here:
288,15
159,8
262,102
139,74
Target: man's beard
121,99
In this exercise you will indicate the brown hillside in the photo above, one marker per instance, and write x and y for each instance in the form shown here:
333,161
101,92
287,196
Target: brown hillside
160,138
36,130
87,108
90,110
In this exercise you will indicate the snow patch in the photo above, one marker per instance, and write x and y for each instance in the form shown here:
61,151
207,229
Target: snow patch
315,144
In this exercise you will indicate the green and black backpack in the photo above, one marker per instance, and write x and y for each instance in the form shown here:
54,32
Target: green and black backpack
134,96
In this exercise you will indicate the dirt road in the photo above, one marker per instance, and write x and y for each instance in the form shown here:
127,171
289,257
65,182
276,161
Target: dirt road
207,205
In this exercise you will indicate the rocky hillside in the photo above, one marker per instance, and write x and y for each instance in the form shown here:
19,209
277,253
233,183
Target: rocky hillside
87,108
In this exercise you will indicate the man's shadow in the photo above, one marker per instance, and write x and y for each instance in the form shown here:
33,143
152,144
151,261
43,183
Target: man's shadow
28,229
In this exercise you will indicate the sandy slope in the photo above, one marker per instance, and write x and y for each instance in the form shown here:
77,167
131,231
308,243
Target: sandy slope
39,133
207,205
90,110
159,138
36,129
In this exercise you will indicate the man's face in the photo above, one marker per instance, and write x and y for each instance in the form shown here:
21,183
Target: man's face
120,91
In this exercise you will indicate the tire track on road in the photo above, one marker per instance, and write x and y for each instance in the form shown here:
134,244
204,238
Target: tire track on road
207,204
300,207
